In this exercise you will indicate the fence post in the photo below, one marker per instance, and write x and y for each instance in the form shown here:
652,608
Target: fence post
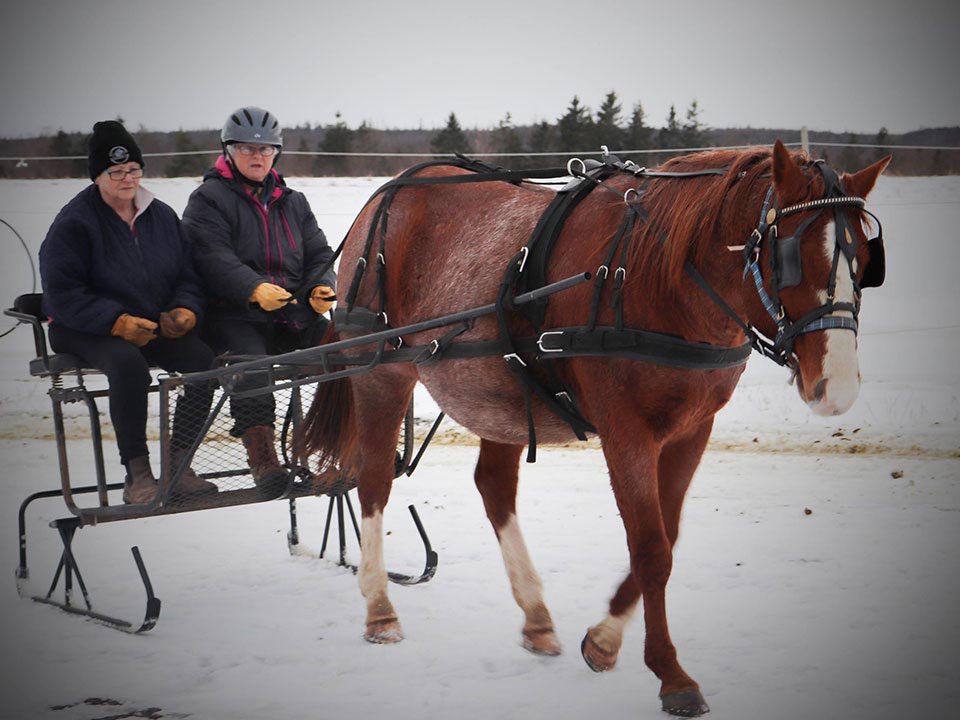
804,140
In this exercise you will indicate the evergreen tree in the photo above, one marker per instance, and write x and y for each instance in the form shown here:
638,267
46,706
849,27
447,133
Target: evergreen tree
506,139
608,130
692,132
575,129
451,139
185,165
62,145
367,140
541,137
639,135
362,138
670,134
337,139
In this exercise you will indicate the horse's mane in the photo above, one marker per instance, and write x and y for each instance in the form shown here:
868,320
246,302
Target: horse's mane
684,214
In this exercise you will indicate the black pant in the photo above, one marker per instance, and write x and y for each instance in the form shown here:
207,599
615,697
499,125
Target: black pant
127,368
241,337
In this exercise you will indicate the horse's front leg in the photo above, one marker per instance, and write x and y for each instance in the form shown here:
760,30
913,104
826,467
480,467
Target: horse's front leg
496,477
636,483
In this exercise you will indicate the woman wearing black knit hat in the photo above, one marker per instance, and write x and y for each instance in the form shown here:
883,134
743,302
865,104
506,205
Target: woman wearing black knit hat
121,294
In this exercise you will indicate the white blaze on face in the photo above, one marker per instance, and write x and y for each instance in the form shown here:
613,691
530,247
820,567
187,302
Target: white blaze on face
840,382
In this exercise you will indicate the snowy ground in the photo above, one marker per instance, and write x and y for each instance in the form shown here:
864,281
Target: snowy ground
845,611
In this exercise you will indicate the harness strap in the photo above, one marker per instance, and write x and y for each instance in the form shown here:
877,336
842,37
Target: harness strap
480,176
435,350
622,236
547,230
567,342
654,348
525,377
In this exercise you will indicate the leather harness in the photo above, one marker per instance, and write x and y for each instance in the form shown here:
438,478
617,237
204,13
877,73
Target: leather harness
527,270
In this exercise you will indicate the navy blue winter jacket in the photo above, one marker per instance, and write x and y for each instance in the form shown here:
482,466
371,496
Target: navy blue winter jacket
94,268
240,241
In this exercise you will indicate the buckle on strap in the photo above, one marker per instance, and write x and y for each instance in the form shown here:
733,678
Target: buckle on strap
549,349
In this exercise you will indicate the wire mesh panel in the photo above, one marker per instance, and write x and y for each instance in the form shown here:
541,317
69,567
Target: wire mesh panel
213,456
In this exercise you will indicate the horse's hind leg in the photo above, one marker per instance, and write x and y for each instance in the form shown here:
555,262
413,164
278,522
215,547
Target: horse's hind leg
496,477
381,402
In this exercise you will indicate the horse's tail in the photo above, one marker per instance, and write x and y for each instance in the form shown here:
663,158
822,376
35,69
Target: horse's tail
329,429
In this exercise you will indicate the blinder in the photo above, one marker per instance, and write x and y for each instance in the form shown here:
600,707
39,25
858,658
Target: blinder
788,270
875,271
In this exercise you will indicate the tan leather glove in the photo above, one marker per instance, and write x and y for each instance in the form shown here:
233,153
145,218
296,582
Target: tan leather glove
321,299
178,322
271,297
136,330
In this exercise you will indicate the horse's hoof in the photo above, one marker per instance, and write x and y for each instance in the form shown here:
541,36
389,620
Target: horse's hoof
598,659
541,642
384,632
685,703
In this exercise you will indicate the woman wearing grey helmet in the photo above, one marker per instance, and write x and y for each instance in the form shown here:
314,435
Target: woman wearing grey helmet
266,266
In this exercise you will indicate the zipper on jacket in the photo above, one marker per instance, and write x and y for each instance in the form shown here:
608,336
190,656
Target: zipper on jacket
268,257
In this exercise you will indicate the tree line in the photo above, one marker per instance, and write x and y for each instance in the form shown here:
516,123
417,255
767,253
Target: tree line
364,150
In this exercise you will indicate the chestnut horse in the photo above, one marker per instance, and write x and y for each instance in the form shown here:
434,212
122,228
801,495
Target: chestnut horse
444,250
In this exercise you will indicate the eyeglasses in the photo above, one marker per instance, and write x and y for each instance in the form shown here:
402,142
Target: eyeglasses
121,174
250,150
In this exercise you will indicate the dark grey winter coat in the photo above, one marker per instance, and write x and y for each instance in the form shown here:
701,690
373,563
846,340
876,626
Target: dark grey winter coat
240,242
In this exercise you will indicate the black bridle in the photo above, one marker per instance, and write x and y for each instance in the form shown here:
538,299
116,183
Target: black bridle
785,266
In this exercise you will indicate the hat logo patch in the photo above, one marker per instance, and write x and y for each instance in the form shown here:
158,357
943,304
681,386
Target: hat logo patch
257,135
118,154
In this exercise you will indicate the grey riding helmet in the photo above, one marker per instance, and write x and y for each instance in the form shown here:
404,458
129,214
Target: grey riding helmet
252,125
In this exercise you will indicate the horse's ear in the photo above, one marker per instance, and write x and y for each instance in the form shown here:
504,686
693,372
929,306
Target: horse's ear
787,177
862,183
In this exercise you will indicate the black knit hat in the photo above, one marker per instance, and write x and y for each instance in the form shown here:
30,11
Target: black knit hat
111,144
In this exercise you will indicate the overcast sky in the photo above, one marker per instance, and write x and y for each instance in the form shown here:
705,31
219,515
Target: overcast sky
840,65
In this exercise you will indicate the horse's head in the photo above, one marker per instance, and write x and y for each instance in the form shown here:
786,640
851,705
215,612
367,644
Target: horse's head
812,259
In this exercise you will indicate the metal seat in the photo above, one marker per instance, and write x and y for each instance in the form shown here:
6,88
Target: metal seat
28,309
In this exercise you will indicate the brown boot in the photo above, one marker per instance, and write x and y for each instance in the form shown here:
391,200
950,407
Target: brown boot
189,483
140,486
268,474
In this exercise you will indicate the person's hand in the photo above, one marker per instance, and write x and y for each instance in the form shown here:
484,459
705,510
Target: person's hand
271,297
136,330
177,323
321,299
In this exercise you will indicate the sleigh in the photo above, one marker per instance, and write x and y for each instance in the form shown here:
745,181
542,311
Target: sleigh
216,456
